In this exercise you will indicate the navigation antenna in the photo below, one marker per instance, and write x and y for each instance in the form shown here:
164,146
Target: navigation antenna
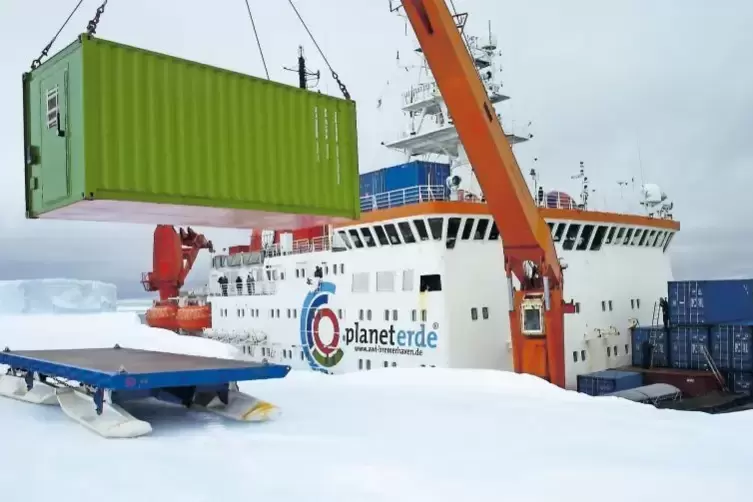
304,76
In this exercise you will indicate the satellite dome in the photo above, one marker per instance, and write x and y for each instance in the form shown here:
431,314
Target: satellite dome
557,199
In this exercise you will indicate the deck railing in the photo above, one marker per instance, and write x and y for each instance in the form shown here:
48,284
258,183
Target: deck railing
403,197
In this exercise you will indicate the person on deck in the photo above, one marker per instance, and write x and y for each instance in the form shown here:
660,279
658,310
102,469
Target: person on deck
250,284
222,281
239,285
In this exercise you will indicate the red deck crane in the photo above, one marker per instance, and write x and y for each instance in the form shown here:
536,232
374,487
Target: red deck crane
537,309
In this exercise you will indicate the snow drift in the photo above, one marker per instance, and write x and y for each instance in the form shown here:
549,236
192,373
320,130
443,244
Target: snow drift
56,296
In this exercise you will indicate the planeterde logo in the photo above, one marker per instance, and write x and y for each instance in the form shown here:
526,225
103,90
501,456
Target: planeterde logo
391,337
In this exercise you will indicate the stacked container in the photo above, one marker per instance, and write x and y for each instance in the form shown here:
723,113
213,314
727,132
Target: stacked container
608,381
715,314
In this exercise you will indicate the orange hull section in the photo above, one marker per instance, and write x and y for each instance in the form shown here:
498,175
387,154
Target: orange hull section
194,317
162,316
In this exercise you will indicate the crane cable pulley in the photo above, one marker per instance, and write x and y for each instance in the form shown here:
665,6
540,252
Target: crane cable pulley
91,29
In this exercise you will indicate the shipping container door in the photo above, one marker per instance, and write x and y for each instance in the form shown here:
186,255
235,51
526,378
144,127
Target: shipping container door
55,178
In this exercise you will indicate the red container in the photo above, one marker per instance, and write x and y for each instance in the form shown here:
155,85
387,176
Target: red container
691,383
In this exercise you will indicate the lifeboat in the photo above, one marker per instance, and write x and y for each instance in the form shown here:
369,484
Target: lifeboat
162,316
194,317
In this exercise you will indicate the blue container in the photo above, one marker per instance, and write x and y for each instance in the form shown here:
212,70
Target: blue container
372,183
416,173
731,347
740,381
605,382
661,347
686,347
710,302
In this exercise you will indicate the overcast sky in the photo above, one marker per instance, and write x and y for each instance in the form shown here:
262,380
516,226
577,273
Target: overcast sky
658,91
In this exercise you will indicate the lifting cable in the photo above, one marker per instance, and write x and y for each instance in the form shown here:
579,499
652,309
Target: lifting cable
343,89
91,28
258,42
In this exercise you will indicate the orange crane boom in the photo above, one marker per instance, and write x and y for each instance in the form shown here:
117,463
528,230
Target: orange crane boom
537,309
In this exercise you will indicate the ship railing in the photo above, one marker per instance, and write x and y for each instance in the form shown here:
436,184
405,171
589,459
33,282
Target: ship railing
257,288
404,197
300,246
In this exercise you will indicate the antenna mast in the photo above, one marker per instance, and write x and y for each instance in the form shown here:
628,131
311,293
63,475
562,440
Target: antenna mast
304,76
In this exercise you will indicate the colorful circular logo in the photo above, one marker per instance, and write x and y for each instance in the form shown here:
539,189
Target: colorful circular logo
320,355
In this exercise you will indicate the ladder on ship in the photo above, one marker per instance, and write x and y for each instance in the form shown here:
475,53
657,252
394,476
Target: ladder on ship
714,368
654,333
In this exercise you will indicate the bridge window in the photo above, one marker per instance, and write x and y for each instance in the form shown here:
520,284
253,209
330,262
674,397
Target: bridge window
423,234
368,237
598,238
392,234
636,236
435,225
645,236
407,232
467,229
572,233
431,282
585,236
560,231
629,233
356,239
494,232
453,225
381,235
481,228
610,235
660,239
669,239
651,239
620,233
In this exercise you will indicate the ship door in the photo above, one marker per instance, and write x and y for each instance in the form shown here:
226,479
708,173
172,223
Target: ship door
55,172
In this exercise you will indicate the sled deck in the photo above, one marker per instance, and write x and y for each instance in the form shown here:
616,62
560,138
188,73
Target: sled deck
90,385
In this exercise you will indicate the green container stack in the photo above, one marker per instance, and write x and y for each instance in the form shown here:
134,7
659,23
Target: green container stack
116,133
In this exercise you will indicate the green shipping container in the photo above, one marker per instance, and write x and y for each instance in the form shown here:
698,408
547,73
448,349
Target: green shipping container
116,133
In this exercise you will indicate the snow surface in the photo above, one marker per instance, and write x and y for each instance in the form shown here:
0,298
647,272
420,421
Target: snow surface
386,435
60,296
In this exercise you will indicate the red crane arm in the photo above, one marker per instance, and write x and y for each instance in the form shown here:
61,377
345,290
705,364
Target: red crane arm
525,234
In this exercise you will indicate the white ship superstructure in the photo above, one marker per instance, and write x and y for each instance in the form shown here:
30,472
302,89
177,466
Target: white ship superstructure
419,280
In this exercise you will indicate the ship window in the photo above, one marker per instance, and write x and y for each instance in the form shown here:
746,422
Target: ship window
407,280
615,351
646,237
582,355
628,234
368,364
52,108
481,228
660,239
381,235
603,306
632,304
435,225
669,239
551,226
368,237
485,312
356,239
432,282
575,356
627,349
386,364
394,315
334,269
636,236
453,225
467,229
290,314
342,268
385,281
637,303
494,232
620,233
345,239
392,234
572,233
585,236
386,315
424,315
423,234
360,364
610,305
610,235
413,315
394,364
368,315
277,313
560,231
407,232
577,307
609,351
474,314
360,315
598,238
